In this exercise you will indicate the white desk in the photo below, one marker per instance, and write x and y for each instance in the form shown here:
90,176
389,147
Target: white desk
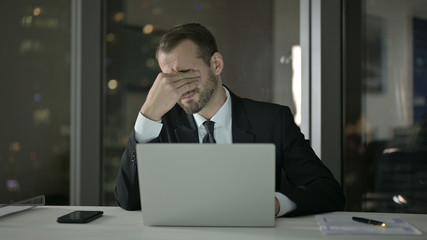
40,223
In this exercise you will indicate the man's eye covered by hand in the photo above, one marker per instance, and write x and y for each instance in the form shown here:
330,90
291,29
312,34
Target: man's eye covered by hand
187,73
167,90
182,78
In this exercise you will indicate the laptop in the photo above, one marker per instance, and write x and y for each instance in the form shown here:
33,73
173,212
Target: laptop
218,185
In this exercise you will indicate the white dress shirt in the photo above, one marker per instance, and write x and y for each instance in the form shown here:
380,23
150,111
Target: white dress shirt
222,127
146,130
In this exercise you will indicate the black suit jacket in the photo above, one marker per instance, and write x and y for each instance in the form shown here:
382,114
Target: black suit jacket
300,175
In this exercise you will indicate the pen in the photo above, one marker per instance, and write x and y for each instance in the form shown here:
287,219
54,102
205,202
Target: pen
370,222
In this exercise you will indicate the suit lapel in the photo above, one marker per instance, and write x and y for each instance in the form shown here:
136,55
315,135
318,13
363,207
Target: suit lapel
240,123
186,131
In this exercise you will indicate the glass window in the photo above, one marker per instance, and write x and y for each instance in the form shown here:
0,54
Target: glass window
256,41
385,165
35,100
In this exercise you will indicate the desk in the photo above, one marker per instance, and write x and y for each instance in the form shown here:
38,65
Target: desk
40,223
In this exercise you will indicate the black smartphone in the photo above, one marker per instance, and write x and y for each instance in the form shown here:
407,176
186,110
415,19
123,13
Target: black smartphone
80,217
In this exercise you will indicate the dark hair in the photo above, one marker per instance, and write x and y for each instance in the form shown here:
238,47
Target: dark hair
194,32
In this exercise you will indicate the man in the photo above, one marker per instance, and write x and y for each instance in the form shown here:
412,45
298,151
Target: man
189,91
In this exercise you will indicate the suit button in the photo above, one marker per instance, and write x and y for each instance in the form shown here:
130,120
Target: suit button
133,159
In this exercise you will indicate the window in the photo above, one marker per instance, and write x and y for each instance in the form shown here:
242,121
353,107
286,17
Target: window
385,165
35,100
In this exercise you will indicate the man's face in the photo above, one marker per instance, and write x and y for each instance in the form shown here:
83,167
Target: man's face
182,58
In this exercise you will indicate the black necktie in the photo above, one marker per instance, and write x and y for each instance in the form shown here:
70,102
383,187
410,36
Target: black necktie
209,137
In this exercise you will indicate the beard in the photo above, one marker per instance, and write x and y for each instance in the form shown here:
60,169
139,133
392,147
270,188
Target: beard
205,96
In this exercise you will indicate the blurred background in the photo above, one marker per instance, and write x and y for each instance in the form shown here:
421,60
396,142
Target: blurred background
50,118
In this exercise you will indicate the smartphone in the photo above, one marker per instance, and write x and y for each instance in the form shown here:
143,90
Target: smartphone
80,217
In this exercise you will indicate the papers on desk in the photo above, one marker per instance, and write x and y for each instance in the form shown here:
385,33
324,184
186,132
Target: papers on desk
21,206
344,225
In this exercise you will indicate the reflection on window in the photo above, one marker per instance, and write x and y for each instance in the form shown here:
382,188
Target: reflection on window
386,161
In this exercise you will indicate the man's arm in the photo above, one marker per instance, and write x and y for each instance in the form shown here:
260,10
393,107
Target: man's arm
305,179
127,186
163,95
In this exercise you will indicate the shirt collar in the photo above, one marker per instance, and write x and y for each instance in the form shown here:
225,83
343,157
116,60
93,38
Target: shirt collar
222,117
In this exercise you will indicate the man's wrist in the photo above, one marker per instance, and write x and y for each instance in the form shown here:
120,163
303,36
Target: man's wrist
277,204
146,129
286,204
149,115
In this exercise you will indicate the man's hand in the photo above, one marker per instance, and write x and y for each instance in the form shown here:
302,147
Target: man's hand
166,92
277,205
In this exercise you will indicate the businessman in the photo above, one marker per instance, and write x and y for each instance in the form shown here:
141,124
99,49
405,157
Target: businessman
189,104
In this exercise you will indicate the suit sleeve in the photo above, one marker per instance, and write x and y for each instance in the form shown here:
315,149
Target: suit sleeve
127,186
305,179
